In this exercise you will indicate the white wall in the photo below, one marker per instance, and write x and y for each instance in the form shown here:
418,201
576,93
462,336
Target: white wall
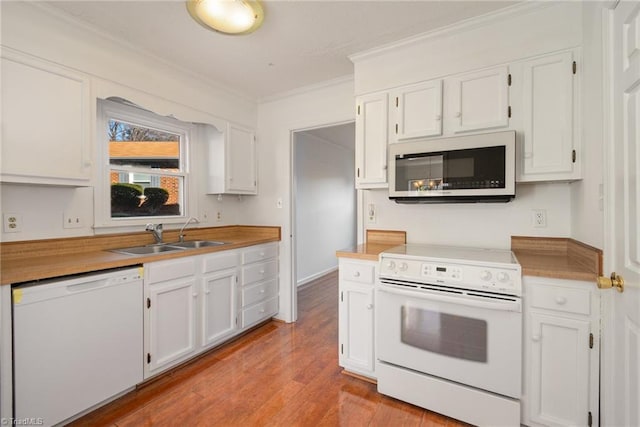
325,204
517,33
319,106
114,69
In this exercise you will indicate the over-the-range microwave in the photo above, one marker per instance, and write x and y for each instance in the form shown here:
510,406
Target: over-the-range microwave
471,168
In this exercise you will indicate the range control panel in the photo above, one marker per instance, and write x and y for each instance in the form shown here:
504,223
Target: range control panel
488,278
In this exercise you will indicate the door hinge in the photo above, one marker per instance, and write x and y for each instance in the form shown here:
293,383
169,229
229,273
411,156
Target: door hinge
341,296
148,357
236,279
573,156
358,110
148,302
396,128
341,348
236,320
397,101
574,67
509,80
590,340
358,173
590,419
509,111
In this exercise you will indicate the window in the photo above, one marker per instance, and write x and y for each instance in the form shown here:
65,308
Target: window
144,158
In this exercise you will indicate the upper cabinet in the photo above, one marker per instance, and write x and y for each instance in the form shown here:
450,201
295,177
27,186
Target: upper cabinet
371,140
478,100
46,123
549,148
417,111
232,162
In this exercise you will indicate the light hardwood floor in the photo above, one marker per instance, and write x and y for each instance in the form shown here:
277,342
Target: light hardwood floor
277,375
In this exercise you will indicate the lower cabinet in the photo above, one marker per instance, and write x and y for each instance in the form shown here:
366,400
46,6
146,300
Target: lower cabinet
356,350
195,303
561,347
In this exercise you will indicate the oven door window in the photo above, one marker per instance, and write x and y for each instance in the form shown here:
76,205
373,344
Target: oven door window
447,334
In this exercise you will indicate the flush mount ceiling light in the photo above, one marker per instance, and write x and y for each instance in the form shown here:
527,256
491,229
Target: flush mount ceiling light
227,16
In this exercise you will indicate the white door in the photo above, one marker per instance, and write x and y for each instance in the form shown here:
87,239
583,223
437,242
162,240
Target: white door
218,307
356,327
621,328
371,140
241,161
418,111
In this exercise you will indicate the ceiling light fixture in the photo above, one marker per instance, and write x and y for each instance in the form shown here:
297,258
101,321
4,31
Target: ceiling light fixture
227,16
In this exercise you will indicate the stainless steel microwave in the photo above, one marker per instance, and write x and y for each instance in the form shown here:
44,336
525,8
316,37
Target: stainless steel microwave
471,168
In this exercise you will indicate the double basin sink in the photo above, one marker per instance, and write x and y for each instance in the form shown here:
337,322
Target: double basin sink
168,247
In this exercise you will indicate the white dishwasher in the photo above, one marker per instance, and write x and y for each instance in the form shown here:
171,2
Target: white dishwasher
77,342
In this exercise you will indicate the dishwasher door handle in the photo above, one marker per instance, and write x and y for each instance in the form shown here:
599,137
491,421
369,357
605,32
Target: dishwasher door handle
87,286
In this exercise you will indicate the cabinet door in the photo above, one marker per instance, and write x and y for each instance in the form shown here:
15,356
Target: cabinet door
371,140
171,324
548,118
417,110
559,386
241,161
218,307
45,129
356,313
479,100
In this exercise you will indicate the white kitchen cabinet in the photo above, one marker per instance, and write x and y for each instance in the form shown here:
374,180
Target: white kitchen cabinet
478,100
171,310
561,345
45,123
372,120
416,111
259,291
549,148
356,304
218,318
233,162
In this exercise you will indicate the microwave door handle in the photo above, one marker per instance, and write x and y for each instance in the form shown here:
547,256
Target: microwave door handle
435,296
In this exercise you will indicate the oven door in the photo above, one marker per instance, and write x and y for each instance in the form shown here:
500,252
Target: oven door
467,339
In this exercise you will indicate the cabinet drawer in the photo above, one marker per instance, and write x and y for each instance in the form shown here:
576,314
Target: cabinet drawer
259,292
357,272
168,270
259,312
576,301
259,253
220,261
258,272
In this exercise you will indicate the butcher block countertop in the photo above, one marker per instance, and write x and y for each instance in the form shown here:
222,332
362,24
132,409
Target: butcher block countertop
377,242
41,259
559,258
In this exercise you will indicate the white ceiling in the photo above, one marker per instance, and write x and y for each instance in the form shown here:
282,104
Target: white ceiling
301,42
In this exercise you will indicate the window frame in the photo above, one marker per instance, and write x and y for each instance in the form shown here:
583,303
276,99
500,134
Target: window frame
111,110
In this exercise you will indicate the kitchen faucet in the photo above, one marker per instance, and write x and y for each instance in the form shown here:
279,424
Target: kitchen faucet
191,219
156,230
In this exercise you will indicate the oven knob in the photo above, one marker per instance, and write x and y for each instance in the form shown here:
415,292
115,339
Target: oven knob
503,277
391,265
403,266
485,275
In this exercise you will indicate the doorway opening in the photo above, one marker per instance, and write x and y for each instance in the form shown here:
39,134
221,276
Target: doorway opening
324,208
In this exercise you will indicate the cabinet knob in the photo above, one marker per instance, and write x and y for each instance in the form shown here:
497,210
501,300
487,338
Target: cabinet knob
561,300
438,117
262,291
261,254
261,271
535,337
207,292
356,274
369,306
458,114
528,155
195,294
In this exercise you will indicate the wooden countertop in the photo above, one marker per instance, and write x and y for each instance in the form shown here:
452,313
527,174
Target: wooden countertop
559,258
378,241
41,259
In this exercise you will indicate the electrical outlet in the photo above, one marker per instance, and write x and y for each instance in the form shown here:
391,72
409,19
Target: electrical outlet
219,216
72,220
204,216
539,218
12,223
371,213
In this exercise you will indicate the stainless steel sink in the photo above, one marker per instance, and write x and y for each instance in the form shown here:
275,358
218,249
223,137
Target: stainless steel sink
148,250
194,244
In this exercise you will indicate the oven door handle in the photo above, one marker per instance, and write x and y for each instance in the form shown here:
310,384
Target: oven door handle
435,296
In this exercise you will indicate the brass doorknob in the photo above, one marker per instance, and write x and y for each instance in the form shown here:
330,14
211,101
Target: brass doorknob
614,281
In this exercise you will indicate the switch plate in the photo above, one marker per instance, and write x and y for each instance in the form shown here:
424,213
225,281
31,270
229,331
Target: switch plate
279,203
72,220
12,222
539,218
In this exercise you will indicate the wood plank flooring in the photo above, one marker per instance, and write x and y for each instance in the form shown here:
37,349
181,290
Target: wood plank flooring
277,375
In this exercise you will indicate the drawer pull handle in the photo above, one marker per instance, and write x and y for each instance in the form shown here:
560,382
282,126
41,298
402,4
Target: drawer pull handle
356,274
262,311
261,271
561,300
535,337
261,254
